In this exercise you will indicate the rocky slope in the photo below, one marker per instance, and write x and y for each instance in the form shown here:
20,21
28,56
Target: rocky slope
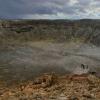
55,87
29,48
86,30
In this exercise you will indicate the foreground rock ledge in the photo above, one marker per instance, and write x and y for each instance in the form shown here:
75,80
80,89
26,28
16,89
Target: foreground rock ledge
56,87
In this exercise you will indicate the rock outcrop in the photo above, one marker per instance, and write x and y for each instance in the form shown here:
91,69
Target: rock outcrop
55,87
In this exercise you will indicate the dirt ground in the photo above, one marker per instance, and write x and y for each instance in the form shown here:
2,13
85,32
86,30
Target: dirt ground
24,61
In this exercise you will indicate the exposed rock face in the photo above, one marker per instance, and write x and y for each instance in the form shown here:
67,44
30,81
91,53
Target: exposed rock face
68,87
87,31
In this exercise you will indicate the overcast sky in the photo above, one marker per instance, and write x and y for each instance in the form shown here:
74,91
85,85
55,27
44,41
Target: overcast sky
50,9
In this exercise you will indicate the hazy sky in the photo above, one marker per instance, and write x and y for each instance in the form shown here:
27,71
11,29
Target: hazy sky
49,9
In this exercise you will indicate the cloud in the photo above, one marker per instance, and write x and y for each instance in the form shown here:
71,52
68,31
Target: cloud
49,9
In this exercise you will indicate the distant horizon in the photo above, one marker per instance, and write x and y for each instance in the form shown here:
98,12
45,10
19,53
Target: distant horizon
49,19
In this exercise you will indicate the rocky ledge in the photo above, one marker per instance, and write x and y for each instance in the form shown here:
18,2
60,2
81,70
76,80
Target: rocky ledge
55,87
